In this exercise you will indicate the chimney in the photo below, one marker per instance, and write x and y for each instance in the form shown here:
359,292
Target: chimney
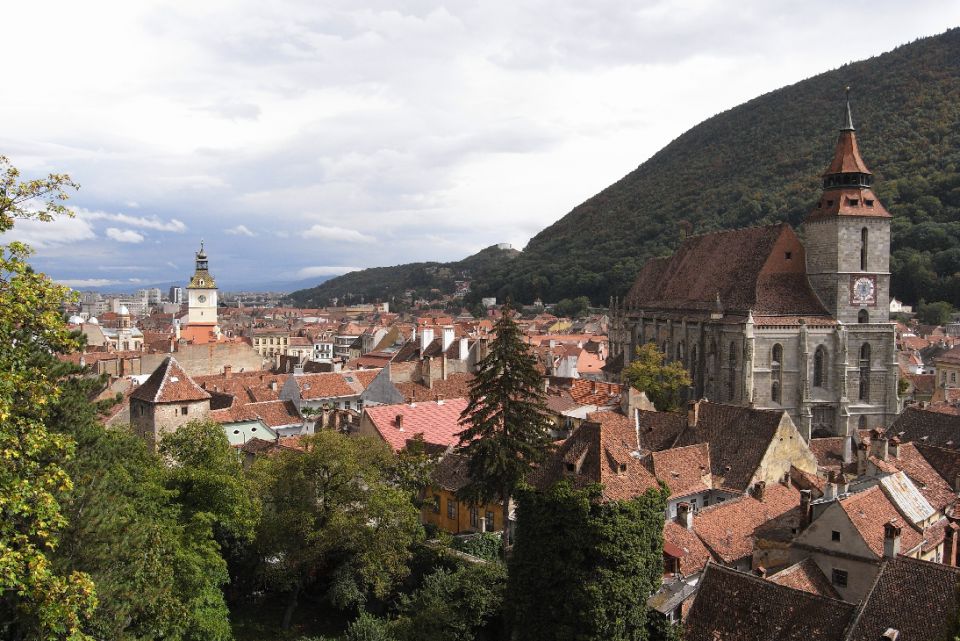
273,386
862,459
760,571
685,515
894,447
891,634
848,450
447,337
805,513
843,486
759,489
298,370
878,444
830,489
426,337
399,422
891,539
693,413
227,371
464,349
950,544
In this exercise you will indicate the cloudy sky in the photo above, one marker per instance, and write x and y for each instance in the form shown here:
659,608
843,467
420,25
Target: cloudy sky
302,139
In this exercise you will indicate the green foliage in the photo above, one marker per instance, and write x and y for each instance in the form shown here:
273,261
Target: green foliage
332,515
453,605
582,568
208,478
903,385
659,629
367,627
505,419
572,308
389,283
485,545
938,313
412,469
760,163
157,567
36,601
663,383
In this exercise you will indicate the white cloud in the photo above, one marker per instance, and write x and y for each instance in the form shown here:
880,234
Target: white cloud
43,235
325,270
340,234
240,230
172,225
78,283
124,235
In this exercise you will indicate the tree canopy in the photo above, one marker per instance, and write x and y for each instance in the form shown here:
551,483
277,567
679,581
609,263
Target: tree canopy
663,383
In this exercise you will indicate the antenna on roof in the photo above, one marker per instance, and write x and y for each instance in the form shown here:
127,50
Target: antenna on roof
849,126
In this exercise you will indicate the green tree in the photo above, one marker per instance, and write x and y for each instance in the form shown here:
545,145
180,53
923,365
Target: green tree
937,313
505,420
155,561
367,627
36,602
582,568
332,516
412,469
453,605
663,383
208,478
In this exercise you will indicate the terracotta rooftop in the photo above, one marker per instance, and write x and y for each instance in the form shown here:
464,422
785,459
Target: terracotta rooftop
807,576
273,413
597,393
693,554
456,386
927,427
685,470
603,453
735,606
746,268
869,511
438,422
917,598
169,384
659,430
738,437
729,528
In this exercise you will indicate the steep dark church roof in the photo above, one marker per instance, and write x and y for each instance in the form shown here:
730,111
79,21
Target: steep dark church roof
759,268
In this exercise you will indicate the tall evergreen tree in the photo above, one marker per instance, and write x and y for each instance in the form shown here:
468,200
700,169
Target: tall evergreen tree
505,422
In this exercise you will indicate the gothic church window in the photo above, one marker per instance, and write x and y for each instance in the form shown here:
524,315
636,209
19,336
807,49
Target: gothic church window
863,316
819,367
776,372
864,392
732,371
864,236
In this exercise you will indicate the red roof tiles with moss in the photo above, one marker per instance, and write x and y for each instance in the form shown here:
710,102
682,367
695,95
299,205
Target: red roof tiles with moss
438,422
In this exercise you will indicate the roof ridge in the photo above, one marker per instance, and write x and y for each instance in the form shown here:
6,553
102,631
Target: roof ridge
759,580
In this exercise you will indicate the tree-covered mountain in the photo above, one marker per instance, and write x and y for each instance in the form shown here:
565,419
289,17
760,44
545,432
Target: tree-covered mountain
759,163
387,283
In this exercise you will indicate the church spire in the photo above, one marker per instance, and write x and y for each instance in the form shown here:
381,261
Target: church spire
849,126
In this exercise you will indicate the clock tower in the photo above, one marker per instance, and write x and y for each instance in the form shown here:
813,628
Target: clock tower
847,238
202,291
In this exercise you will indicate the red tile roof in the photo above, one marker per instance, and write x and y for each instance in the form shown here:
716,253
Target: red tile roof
869,511
685,470
596,393
807,576
169,384
728,529
694,554
272,413
438,422
456,386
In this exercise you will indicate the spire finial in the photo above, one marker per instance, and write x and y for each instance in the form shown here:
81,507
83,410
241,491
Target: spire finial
201,244
849,126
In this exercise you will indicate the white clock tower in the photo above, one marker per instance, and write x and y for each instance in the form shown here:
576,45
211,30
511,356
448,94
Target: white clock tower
202,291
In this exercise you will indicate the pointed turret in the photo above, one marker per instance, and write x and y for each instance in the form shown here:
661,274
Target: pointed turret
847,181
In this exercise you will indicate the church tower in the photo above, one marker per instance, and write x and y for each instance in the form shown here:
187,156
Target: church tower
847,238
202,291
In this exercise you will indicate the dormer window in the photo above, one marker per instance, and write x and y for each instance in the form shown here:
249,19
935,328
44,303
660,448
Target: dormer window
868,203
571,467
829,203
623,468
787,255
854,202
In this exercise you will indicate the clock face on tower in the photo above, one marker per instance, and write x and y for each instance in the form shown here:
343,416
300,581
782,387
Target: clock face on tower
863,290
201,298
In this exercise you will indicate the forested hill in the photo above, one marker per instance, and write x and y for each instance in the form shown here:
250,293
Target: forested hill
760,162
385,283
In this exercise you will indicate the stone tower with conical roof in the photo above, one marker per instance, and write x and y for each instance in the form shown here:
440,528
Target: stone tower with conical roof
847,238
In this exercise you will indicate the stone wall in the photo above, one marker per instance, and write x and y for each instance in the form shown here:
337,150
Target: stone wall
198,360
151,421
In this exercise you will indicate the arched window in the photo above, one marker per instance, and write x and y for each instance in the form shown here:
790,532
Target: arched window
732,371
776,372
819,367
862,422
863,316
864,236
694,368
864,394
680,351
